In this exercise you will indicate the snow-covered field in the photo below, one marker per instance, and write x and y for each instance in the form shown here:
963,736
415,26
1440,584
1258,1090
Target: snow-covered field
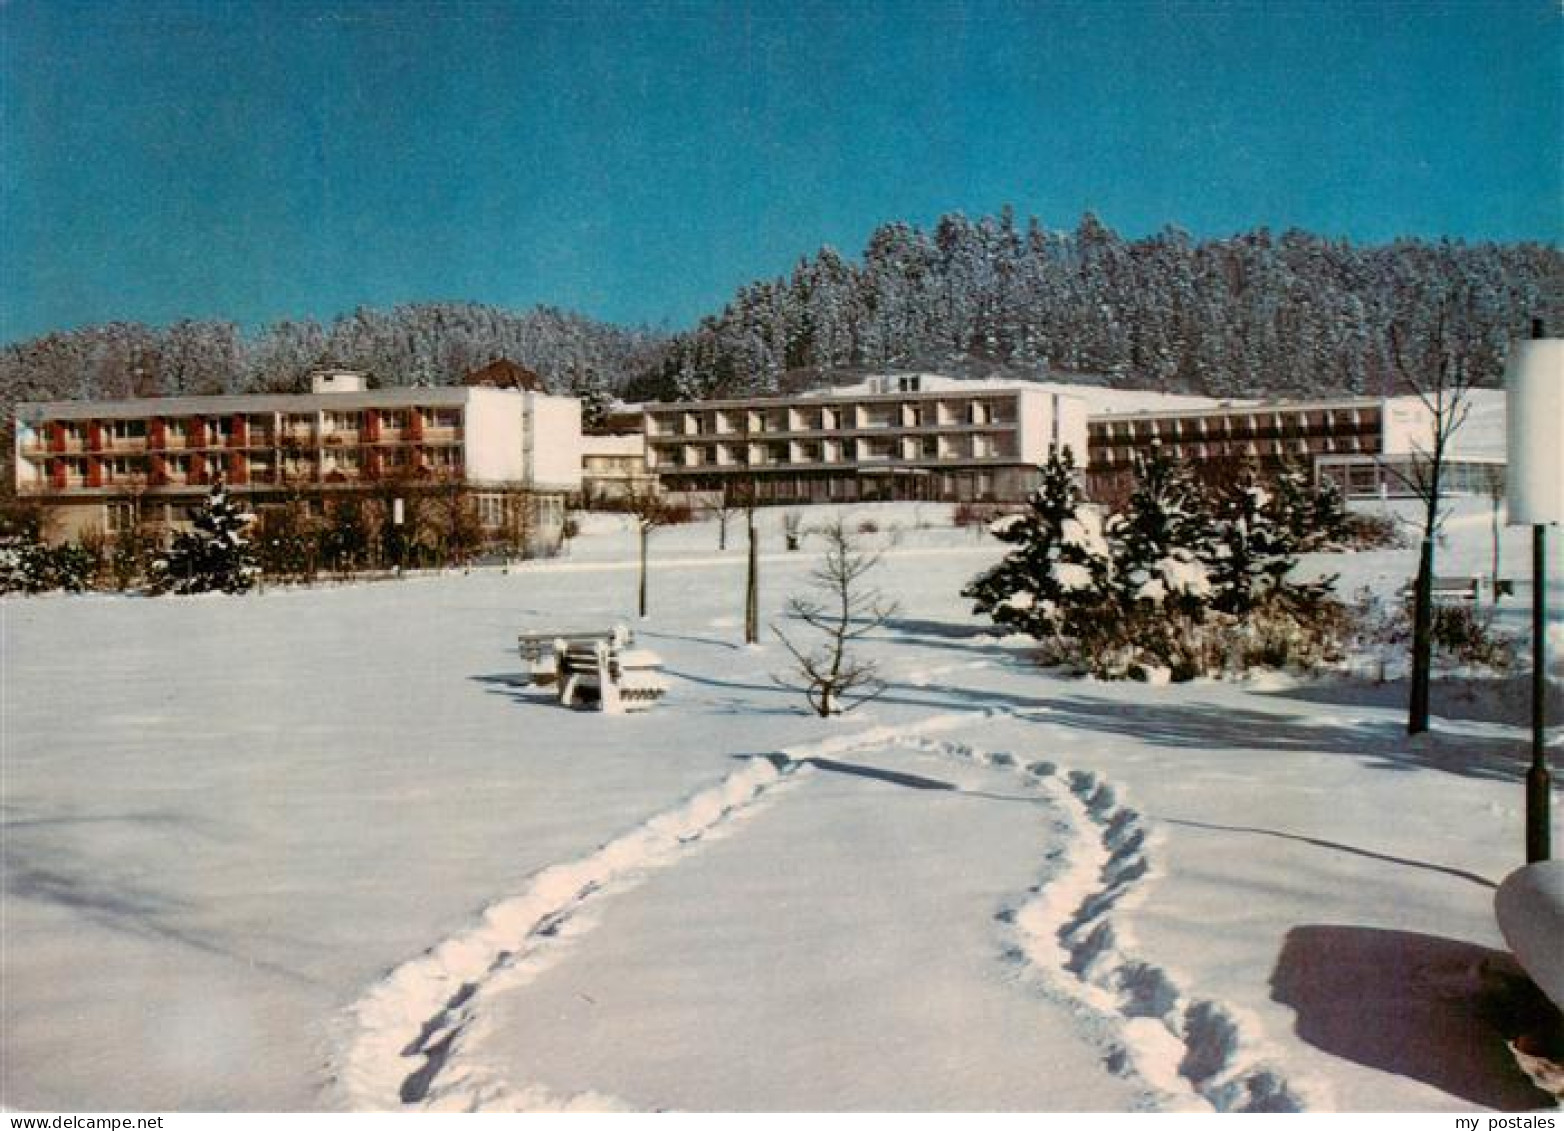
322,849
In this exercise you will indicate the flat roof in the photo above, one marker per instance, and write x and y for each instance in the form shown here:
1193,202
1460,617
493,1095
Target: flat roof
399,396
826,396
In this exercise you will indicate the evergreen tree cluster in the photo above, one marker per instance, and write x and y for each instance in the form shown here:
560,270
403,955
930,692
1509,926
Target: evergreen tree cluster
1181,580
1296,314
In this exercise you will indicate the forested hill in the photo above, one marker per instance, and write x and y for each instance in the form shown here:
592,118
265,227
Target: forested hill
430,344
1295,314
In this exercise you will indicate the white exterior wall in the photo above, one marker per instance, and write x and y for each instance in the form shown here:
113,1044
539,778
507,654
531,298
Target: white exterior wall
494,439
1034,418
1408,426
1038,412
529,438
1072,427
555,447
632,444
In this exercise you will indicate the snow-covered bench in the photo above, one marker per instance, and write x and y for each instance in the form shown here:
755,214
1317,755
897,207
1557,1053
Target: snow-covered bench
608,673
539,650
1450,589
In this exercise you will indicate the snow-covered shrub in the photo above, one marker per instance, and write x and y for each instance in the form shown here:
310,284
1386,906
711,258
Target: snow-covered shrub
1466,635
1372,532
967,513
1283,633
28,566
215,555
1155,648
1462,635
130,558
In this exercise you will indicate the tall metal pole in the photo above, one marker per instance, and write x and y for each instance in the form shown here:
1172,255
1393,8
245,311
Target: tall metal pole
1538,783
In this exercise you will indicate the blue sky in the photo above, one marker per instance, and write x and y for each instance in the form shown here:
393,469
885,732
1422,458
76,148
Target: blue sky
638,161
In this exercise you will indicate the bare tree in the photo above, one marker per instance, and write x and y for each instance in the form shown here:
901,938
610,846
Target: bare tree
751,577
1493,487
739,495
455,525
645,504
1441,366
833,679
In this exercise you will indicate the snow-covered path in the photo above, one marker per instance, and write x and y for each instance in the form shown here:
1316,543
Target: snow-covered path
845,948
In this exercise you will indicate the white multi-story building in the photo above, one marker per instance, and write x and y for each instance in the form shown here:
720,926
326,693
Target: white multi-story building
895,437
99,465
1366,445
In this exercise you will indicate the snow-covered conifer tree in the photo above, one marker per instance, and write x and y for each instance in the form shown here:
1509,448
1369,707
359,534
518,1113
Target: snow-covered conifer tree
1060,568
1252,552
215,555
1160,540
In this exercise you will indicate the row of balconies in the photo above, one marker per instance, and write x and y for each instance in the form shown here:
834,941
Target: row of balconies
239,469
247,441
1003,426
829,418
673,473
830,453
240,431
1111,454
1261,427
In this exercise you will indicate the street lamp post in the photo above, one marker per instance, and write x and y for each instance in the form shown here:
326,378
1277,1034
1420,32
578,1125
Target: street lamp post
1534,382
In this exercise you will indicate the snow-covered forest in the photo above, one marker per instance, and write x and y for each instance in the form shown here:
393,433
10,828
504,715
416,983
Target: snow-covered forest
1296,314
425,343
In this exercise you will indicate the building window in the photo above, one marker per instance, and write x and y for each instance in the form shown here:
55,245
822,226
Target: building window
491,509
127,429
119,518
125,469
